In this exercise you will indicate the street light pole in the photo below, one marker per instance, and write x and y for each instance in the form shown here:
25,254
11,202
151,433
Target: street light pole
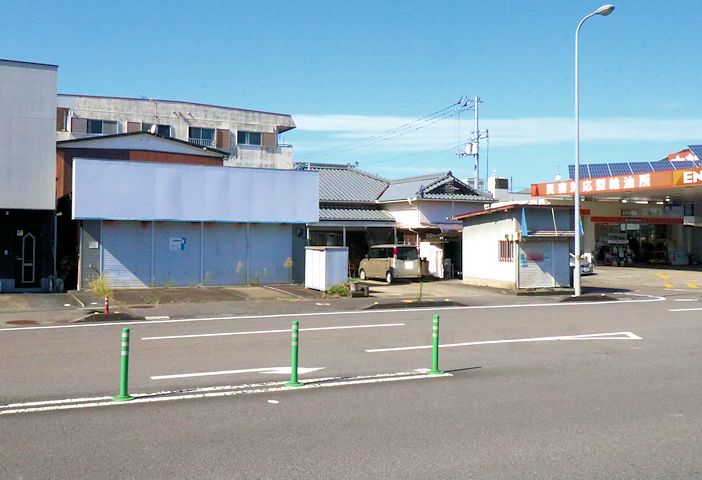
604,11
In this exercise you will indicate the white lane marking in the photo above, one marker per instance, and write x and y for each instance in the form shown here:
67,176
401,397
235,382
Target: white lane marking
648,298
684,299
271,370
591,336
685,309
286,330
157,317
274,402
209,392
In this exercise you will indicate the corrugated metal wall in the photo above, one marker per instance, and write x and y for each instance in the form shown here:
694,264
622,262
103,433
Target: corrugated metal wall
140,254
126,253
176,254
224,254
269,247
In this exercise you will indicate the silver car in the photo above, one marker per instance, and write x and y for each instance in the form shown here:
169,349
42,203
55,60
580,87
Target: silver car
390,262
586,266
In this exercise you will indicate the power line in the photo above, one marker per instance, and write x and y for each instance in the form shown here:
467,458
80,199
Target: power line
396,132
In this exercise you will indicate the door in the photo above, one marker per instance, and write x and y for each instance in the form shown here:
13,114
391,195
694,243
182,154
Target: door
26,260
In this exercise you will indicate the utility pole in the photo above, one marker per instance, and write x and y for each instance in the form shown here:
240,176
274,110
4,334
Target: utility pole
473,145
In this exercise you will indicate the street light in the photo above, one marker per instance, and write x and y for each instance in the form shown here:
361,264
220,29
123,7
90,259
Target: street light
604,10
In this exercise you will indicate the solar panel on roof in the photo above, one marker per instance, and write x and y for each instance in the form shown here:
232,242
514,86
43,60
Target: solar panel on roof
682,164
571,171
619,168
661,166
599,170
584,171
640,167
697,150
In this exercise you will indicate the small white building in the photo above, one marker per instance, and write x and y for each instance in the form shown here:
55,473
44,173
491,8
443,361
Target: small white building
518,245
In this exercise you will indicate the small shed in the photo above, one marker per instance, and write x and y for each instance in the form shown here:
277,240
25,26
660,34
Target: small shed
325,266
519,245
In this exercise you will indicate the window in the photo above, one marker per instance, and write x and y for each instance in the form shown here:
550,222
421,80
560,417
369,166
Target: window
407,253
102,127
163,130
201,136
248,138
61,119
505,251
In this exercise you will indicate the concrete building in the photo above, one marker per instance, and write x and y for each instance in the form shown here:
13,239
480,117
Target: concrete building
251,137
27,161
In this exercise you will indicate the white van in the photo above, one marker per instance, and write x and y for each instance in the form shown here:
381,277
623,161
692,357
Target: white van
390,262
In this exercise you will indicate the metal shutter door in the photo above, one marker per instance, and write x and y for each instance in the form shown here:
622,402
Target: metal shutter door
269,247
177,254
536,265
561,264
126,253
224,254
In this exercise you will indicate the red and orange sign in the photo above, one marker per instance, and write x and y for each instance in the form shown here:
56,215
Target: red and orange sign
619,183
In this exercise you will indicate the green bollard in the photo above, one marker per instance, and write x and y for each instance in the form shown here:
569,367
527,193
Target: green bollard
435,348
293,356
124,370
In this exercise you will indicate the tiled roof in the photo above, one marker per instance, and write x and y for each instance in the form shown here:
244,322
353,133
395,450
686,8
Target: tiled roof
345,183
349,213
430,187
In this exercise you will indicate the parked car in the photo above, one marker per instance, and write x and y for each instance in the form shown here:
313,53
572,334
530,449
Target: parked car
586,266
390,262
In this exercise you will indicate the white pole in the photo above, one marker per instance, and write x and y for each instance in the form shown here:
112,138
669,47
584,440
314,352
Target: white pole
476,173
604,10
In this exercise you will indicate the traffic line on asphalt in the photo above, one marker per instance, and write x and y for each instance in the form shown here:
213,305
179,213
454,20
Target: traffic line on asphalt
644,299
685,309
285,330
591,336
684,299
210,392
271,370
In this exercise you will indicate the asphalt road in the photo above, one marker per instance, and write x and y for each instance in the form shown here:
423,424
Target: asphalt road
542,405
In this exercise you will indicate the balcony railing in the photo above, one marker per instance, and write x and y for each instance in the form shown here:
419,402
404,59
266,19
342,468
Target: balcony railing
202,142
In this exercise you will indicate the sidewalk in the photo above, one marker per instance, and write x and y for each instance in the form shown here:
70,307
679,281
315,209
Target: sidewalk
44,309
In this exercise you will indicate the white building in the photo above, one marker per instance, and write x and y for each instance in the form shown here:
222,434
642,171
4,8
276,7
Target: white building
252,137
518,245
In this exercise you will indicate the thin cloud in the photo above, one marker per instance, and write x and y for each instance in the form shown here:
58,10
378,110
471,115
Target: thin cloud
323,132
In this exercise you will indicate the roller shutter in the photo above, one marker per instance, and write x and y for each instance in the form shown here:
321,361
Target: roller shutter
126,253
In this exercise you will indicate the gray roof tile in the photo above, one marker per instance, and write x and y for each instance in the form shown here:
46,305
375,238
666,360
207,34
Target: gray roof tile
347,213
344,183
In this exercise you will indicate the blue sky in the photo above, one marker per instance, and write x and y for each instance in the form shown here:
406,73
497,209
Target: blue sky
349,70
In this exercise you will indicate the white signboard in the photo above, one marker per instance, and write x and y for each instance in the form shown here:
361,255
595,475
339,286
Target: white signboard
122,190
176,244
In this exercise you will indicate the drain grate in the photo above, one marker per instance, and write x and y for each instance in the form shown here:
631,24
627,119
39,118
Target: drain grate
22,322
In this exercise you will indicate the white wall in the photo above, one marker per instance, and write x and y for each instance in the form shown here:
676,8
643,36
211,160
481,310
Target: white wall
421,213
27,135
122,190
480,251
